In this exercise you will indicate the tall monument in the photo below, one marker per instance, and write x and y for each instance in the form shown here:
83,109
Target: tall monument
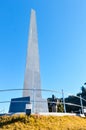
32,81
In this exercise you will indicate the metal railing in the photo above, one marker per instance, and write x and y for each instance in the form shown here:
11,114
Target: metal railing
47,93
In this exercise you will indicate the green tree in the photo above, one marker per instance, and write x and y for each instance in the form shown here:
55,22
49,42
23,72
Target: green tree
83,89
60,107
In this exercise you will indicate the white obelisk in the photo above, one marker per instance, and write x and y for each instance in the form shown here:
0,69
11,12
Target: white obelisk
32,82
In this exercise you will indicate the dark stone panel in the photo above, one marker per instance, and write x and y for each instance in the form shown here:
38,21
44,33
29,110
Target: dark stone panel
18,104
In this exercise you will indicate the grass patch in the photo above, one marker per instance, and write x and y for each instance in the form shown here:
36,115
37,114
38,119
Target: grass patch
36,122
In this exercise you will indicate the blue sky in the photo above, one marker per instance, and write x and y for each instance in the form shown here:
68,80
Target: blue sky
62,43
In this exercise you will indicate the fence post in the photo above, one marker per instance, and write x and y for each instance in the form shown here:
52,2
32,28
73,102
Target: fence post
33,100
63,101
81,105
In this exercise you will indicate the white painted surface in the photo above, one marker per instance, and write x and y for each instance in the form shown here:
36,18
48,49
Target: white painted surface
28,106
61,114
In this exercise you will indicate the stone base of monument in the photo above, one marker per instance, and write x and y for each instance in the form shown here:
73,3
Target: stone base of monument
24,105
18,105
40,105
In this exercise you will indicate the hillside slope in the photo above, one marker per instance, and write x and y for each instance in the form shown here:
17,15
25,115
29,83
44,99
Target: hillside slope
36,122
